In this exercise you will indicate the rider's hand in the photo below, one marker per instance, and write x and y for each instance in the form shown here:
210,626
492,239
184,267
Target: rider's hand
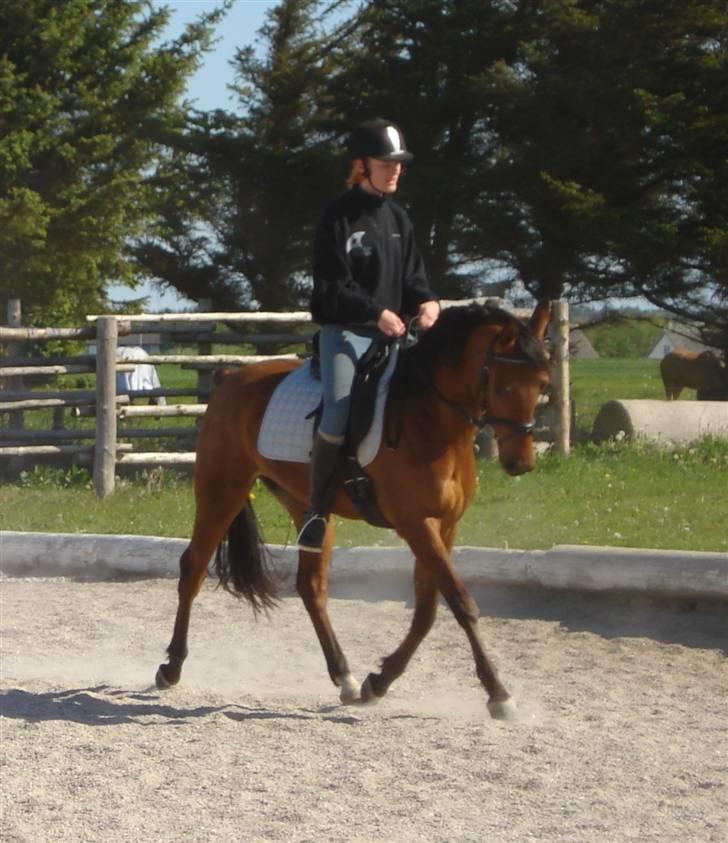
428,313
390,324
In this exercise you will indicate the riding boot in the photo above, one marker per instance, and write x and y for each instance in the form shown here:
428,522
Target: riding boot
324,460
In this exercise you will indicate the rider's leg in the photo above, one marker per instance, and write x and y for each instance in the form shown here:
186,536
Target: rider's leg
340,348
324,460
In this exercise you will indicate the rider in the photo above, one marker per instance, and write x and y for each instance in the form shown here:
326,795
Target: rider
368,277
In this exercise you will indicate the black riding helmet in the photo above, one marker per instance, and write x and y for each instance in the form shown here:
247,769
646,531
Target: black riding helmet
379,139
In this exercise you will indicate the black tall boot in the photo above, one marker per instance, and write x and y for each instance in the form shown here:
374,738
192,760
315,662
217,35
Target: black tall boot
324,459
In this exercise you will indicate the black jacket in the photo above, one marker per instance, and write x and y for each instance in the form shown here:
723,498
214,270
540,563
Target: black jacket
366,261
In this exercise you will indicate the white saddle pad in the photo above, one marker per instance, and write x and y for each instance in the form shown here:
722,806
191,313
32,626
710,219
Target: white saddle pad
286,434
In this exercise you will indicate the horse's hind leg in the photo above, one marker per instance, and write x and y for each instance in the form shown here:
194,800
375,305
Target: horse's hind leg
192,574
215,511
672,390
312,584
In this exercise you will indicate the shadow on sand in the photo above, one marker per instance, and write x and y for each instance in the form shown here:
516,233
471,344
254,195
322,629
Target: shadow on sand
689,622
103,705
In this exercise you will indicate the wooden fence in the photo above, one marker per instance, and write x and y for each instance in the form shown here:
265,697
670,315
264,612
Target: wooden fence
109,444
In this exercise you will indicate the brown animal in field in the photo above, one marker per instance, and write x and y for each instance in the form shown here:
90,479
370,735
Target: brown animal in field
703,371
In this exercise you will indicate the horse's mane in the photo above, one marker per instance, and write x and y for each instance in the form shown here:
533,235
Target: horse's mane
445,342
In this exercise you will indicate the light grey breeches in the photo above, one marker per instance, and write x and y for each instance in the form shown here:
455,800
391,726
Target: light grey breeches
340,348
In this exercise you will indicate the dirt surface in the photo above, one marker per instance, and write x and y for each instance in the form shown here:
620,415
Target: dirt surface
622,731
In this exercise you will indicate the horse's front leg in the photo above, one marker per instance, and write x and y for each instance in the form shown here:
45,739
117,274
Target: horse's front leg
433,555
427,595
312,584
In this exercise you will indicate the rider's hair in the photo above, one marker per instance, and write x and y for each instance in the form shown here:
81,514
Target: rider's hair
357,174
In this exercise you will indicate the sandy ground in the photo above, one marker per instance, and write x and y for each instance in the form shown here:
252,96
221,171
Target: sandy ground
622,732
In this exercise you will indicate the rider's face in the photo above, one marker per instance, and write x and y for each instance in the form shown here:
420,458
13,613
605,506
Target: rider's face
383,175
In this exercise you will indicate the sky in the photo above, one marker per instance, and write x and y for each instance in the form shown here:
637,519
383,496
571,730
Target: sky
206,89
208,86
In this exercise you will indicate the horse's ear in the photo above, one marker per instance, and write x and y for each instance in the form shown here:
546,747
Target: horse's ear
540,319
507,338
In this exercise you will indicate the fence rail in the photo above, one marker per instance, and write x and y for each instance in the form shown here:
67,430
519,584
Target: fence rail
109,451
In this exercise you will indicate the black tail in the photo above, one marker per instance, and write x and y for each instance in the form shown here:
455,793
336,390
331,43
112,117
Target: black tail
243,563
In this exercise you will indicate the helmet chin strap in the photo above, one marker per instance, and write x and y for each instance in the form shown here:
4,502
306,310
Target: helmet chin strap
368,176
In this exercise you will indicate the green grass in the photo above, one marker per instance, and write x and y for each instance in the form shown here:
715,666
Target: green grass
621,495
616,495
594,382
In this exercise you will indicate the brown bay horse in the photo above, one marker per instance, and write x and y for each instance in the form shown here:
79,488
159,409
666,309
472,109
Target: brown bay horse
703,371
475,366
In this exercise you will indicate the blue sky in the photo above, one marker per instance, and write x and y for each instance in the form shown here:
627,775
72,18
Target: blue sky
207,89
208,86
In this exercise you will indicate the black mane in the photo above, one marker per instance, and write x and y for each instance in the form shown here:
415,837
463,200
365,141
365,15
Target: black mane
445,342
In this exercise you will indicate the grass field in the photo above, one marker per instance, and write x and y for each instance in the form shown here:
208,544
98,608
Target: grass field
617,495
621,495
593,382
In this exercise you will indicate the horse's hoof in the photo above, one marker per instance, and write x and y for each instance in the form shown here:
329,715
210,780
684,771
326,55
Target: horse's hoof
503,710
350,691
161,681
368,694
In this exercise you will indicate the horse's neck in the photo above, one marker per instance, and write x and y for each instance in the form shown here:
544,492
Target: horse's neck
426,420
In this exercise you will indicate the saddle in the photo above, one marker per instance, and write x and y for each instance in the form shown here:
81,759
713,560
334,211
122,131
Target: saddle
292,416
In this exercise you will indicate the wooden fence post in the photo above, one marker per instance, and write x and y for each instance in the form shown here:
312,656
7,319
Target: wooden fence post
204,378
560,377
15,320
107,334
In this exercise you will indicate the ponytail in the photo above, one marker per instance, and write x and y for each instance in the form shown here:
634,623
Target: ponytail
358,173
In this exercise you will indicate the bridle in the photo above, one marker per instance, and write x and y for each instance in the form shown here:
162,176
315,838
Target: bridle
517,428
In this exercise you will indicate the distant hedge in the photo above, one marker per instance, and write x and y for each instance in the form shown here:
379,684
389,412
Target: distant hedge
629,337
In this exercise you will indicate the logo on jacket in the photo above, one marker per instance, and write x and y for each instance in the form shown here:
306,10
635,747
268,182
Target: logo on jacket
355,245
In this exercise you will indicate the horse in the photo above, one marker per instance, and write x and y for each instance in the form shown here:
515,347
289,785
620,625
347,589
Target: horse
703,371
476,366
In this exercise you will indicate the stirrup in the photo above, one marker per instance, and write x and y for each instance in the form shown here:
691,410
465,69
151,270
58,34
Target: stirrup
313,533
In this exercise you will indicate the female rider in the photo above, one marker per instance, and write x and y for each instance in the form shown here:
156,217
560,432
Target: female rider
368,279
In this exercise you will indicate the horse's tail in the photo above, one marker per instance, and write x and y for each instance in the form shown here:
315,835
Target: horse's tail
243,563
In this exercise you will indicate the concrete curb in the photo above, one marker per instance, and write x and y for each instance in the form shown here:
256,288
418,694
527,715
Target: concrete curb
575,567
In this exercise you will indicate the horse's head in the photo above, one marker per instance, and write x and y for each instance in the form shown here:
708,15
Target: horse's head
711,360
513,372
489,368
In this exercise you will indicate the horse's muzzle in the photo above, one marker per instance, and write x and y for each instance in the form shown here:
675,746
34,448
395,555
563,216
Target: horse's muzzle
517,458
517,467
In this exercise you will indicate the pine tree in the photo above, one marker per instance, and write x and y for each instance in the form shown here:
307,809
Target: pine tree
253,180
577,147
87,99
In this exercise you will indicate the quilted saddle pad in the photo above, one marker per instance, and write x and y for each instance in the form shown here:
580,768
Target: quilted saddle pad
287,434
